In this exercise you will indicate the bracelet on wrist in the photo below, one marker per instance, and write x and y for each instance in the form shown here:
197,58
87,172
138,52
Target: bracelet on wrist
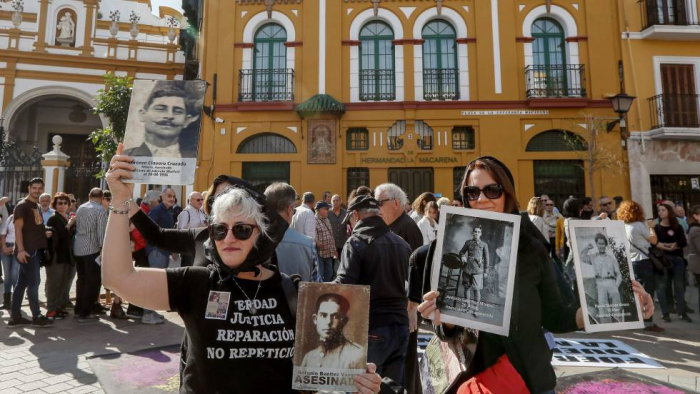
119,211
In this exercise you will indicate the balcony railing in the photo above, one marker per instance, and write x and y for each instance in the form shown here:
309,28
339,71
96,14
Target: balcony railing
555,81
440,84
667,12
266,85
674,110
377,85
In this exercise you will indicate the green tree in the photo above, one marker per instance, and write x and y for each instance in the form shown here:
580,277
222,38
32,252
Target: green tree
112,102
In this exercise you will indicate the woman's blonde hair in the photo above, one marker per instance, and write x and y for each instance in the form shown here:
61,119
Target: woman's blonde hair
419,204
535,206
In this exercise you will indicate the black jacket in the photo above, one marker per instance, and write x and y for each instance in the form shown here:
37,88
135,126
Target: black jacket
375,256
537,303
61,242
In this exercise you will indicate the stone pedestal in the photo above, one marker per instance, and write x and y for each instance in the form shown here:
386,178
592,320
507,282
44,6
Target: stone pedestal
55,164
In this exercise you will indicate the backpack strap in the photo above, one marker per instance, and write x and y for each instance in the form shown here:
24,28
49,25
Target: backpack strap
290,285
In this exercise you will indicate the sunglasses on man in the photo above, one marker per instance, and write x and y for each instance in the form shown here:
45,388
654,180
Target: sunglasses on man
241,231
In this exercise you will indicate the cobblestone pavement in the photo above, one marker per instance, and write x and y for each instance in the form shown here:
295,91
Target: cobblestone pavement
53,360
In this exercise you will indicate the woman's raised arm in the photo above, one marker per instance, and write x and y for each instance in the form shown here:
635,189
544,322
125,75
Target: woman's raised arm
145,287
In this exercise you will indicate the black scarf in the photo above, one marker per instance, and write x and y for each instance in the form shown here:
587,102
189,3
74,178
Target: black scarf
264,247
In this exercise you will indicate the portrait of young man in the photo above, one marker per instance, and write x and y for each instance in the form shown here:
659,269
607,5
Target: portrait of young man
334,351
165,117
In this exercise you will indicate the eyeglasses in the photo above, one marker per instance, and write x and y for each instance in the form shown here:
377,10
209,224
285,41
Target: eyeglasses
492,192
62,202
381,202
242,231
108,198
605,204
199,199
549,205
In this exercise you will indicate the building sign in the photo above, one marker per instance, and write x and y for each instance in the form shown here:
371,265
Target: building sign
599,353
408,160
506,112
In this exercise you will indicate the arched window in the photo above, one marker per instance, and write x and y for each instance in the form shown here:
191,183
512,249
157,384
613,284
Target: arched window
440,69
267,143
425,132
377,80
549,75
270,76
556,141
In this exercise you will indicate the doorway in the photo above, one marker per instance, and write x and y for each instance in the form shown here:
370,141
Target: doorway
84,165
413,181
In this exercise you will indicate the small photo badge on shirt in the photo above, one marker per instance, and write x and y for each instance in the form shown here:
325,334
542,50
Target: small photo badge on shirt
217,306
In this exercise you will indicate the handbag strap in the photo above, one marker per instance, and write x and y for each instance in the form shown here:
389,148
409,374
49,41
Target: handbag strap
636,247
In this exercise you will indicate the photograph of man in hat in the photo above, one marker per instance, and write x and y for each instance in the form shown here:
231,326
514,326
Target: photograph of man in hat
475,266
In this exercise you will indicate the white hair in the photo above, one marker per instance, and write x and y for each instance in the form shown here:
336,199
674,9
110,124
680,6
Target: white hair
443,201
151,196
366,212
45,195
238,202
392,192
192,195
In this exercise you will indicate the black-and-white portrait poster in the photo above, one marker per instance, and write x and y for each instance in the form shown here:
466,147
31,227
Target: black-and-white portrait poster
331,337
474,268
162,130
604,275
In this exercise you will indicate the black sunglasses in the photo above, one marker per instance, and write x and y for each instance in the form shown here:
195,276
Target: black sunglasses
381,202
492,192
242,231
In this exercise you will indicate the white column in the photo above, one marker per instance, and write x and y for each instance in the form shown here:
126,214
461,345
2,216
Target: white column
137,191
496,47
322,46
48,180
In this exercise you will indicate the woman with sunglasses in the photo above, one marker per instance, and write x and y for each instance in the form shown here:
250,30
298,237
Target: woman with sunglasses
488,185
237,319
58,273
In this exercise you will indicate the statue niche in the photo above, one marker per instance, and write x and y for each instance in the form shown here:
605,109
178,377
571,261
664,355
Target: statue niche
65,28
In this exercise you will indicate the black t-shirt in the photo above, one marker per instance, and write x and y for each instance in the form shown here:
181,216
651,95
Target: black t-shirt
406,228
231,350
670,235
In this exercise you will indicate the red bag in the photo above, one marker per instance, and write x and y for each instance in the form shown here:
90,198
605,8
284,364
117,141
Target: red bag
498,378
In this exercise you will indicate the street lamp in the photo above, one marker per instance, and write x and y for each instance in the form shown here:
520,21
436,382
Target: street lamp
621,105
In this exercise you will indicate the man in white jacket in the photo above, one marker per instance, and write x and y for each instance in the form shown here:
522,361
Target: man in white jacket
304,220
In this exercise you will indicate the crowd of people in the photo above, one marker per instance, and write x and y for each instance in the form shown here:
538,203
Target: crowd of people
253,245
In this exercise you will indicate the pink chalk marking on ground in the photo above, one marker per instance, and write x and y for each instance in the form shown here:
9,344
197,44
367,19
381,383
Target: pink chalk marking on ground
610,386
147,369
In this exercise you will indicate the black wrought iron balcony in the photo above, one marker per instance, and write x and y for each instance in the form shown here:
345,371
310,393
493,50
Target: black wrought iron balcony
377,85
667,12
674,110
440,84
266,85
555,81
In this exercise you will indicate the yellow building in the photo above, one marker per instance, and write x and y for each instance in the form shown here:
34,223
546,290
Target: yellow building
333,94
661,52
53,58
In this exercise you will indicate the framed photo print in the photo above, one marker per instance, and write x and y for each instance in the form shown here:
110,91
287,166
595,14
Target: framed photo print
474,268
604,275
162,131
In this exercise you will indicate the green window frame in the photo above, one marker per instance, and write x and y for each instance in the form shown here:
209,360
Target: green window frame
269,62
463,138
377,62
357,139
262,174
549,56
440,64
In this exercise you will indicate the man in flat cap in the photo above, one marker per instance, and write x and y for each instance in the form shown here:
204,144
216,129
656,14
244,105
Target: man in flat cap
375,256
